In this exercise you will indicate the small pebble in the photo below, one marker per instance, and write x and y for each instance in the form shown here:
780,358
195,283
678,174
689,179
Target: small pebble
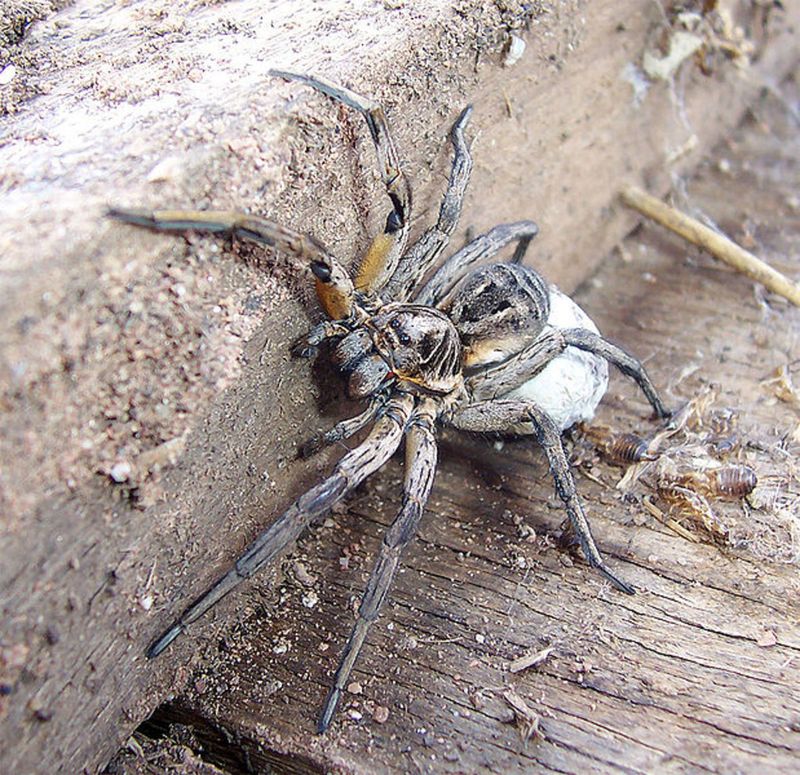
120,472
381,714
355,688
7,75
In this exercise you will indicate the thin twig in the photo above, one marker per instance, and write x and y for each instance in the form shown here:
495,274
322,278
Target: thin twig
716,244
676,527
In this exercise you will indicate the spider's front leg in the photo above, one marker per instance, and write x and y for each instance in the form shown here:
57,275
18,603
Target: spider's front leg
426,250
334,286
382,256
498,417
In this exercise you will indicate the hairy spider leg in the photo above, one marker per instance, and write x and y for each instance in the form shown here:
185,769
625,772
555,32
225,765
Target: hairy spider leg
349,472
482,247
334,286
426,250
499,380
382,256
627,364
420,462
499,416
344,429
307,345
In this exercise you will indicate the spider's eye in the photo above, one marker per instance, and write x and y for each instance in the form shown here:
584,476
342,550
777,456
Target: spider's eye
395,323
404,338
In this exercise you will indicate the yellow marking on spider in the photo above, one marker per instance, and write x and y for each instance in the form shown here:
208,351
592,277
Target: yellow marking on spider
333,301
373,266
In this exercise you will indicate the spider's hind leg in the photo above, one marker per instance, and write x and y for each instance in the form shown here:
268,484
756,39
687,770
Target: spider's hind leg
497,417
348,473
626,363
420,468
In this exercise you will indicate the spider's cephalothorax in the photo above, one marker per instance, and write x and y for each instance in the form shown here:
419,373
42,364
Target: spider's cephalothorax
407,342
486,349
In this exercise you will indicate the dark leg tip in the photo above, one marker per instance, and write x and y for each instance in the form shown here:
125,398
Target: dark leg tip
463,118
311,447
328,710
662,413
302,349
621,585
158,645
135,217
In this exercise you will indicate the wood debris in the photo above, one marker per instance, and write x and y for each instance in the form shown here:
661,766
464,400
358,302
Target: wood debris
526,718
531,659
718,245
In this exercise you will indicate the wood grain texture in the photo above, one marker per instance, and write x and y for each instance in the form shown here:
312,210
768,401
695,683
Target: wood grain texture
149,412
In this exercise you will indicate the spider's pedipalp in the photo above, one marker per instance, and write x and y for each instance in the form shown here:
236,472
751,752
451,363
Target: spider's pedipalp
334,286
349,472
422,255
482,247
420,462
499,416
381,258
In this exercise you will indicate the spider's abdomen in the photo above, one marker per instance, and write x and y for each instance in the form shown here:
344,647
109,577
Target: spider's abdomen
501,309
498,310
571,386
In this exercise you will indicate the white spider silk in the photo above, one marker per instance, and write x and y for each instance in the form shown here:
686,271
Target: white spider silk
571,386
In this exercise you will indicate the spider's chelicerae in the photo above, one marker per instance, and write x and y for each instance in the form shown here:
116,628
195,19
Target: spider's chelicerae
489,348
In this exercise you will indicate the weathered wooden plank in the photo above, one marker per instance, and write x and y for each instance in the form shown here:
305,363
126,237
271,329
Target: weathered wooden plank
116,343
682,677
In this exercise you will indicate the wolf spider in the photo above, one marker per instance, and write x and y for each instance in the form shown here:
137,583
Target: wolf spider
492,349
